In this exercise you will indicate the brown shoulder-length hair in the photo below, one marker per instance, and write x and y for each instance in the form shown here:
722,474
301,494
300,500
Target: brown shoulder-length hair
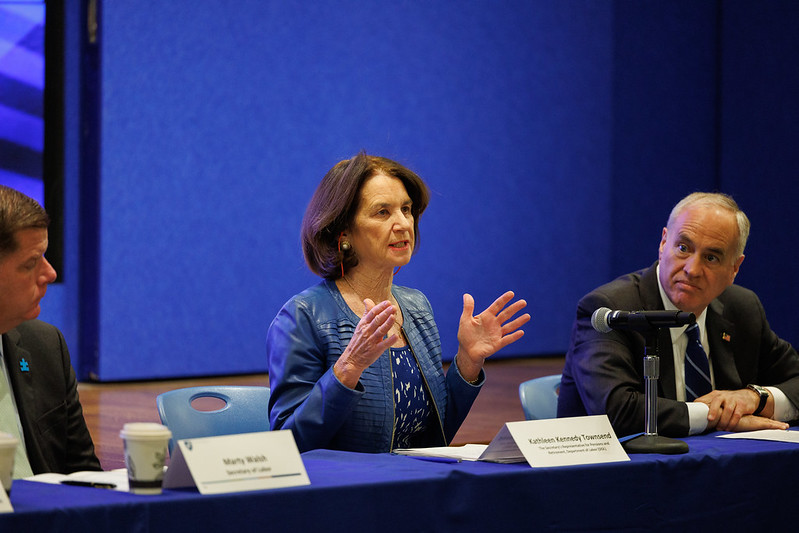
334,204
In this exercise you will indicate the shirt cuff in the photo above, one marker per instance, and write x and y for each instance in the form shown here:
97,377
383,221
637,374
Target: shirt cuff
481,377
697,417
784,410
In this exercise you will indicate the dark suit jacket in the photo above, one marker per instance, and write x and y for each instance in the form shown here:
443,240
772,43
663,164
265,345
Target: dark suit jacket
604,371
45,389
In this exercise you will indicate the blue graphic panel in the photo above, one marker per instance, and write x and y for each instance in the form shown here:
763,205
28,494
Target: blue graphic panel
21,96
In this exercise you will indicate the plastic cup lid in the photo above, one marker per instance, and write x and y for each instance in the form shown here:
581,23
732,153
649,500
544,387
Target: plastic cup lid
145,430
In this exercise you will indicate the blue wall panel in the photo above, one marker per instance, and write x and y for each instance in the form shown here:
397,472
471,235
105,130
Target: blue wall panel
760,161
218,120
664,127
22,97
62,303
554,135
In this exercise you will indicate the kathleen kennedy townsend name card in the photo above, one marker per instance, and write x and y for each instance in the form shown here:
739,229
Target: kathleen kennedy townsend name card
558,442
237,463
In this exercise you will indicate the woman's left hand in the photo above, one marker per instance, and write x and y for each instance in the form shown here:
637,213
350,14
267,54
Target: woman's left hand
483,335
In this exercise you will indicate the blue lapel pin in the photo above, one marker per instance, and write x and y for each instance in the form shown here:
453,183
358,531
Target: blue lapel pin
23,366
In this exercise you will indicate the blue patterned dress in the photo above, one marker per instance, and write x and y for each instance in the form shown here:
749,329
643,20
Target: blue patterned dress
411,404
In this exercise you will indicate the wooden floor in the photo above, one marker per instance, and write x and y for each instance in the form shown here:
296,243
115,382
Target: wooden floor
108,406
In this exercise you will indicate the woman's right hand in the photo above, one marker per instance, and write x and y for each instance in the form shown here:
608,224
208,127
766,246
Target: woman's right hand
367,343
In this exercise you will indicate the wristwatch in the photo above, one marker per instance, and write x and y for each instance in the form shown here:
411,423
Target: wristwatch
763,393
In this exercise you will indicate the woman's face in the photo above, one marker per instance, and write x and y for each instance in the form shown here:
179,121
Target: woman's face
382,231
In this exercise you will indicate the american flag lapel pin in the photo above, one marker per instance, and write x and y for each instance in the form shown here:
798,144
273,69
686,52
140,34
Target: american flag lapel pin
725,337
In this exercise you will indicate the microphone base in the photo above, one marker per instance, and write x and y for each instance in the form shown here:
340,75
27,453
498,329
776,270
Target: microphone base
655,444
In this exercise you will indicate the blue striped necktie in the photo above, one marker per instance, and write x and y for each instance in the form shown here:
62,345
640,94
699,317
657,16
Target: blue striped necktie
697,369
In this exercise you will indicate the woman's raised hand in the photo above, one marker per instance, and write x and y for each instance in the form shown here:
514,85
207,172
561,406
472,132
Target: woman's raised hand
483,335
367,343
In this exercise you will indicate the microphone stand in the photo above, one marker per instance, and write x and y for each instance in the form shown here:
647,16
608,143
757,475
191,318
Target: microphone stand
650,441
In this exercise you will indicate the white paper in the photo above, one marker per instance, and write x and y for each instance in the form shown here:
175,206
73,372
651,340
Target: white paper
467,452
781,435
235,463
117,477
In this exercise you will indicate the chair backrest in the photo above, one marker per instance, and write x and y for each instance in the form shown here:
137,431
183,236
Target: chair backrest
245,411
539,397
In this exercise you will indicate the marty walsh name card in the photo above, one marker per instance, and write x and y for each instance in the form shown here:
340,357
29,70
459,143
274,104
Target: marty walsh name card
235,463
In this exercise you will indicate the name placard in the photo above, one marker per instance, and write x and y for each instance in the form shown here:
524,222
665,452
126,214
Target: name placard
5,503
237,463
557,442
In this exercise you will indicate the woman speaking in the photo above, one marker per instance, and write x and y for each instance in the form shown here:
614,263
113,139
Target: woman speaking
355,361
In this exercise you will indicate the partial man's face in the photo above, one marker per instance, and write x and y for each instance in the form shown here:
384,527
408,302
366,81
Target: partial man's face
698,256
24,276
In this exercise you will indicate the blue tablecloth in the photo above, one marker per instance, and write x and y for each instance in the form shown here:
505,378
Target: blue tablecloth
720,484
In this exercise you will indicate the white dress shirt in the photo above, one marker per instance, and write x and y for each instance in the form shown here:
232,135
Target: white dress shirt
4,377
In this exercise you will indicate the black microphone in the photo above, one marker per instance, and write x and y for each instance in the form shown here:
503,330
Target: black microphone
603,320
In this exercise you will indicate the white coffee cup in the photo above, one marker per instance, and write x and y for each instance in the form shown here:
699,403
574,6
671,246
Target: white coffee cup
145,454
8,447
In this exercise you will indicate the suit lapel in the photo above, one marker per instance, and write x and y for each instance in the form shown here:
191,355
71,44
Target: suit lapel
720,337
18,362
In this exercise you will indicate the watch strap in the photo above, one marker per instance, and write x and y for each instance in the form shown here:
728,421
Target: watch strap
763,393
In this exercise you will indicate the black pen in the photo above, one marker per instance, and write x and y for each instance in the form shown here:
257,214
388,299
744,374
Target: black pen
93,484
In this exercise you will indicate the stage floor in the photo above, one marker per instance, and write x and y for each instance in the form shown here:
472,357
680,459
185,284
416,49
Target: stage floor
108,406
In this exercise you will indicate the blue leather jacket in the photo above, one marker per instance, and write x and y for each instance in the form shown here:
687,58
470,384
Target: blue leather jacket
307,337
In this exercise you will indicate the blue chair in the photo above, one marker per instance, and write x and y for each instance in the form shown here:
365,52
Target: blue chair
539,397
246,410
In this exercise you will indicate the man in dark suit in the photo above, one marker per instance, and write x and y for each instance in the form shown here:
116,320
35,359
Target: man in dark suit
753,374
39,388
